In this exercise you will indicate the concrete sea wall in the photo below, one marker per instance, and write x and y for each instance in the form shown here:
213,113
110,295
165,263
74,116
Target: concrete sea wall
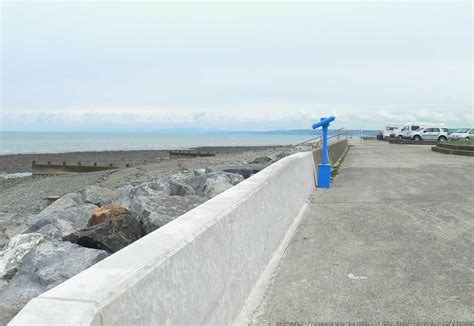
197,269
335,151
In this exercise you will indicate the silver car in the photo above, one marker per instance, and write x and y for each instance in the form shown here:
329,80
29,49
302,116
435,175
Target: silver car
435,133
462,134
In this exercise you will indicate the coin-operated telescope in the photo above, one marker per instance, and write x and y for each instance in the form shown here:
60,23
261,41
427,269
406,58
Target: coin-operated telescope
324,169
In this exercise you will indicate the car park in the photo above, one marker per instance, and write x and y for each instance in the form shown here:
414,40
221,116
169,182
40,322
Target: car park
462,134
432,133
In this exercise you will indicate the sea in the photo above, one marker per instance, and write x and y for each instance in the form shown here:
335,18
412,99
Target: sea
62,142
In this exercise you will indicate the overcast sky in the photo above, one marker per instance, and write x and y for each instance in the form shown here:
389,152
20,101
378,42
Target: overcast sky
108,66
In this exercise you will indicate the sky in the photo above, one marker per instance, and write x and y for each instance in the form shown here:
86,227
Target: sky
90,65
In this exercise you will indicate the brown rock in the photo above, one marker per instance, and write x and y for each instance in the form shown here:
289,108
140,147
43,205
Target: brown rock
106,213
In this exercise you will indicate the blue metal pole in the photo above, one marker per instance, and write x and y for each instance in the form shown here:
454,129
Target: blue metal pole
325,144
324,169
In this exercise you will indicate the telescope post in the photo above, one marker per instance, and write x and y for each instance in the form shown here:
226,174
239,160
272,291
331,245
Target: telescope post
324,169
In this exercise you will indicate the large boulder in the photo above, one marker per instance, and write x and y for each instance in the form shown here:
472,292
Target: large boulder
180,189
179,177
215,186
70,212
211,184
42,268
111,235
281,155
106,213
64,216
154,188
16,249
176,186
12,225
245,171
202,171
97,196
261,159
127,194
154,212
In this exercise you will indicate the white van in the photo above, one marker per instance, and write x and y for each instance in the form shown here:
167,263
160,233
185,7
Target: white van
390,130
413,126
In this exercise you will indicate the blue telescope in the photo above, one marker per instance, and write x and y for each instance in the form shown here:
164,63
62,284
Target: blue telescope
324,169
324,122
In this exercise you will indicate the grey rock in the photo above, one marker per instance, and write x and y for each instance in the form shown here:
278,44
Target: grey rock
261,159
152,189
154,212
16,249
202,171
49,264
245,170
179,177
215,186
234,178
214,183
282,155
175,187
180,189
67,214
13,224
110,236
197,182
97,196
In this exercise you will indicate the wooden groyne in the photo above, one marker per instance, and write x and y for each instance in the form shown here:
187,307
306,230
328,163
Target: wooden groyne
189,153
58,169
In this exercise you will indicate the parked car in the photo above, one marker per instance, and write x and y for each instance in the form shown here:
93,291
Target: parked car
462,134
437,133
408,128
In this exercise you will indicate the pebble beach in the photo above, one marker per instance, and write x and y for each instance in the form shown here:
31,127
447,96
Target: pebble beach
27,194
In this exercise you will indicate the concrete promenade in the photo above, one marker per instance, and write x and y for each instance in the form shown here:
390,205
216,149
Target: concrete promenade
392,240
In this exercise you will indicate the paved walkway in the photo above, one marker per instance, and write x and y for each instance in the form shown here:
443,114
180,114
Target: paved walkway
392,240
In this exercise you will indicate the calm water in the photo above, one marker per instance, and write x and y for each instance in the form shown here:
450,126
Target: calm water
57,142
42,142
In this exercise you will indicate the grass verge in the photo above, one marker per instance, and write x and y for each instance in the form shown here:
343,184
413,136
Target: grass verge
461,142
335,169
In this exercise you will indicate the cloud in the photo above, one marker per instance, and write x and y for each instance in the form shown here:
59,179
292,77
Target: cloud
237,118
234,66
